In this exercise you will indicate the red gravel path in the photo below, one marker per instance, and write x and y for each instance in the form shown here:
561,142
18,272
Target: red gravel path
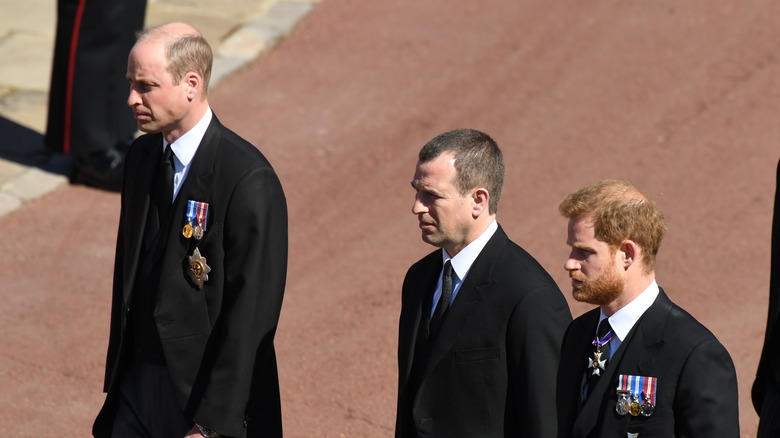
681,99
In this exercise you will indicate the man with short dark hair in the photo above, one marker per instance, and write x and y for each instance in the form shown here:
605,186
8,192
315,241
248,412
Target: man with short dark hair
638,365
481,321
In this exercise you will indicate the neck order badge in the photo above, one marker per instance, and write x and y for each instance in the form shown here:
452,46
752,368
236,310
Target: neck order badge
601,348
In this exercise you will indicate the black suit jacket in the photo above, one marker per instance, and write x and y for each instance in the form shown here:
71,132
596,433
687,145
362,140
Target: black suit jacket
217,340
490,372
768,370
697,384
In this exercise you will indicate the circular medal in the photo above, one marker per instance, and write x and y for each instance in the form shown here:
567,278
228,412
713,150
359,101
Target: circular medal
634,408
187,231
622,406
198,232
197,268
647,408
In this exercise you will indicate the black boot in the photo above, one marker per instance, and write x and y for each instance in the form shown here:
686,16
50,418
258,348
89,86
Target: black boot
102,170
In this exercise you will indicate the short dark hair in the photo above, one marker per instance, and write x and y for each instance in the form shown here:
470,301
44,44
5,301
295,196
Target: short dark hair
478,161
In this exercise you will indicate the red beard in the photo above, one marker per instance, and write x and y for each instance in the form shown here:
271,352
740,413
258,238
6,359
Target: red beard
599,291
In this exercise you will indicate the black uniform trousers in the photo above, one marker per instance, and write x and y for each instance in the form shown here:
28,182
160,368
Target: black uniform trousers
88,92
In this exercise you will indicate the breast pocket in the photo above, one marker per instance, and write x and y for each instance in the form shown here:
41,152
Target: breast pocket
477,354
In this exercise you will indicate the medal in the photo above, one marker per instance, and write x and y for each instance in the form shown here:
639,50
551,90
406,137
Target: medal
597,362
647,408
639,388
197,215
634,408
191,208
200,217
622,404
199,270
648,392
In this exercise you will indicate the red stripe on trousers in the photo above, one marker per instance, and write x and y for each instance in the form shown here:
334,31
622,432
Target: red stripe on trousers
74,42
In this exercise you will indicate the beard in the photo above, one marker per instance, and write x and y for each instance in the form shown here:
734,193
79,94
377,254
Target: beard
599,291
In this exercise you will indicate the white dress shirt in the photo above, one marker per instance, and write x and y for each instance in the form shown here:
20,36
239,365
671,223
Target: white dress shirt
461,263
624,319
184,149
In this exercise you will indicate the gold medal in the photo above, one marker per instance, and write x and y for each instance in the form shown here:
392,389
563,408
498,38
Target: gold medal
634,408
187,231
199,270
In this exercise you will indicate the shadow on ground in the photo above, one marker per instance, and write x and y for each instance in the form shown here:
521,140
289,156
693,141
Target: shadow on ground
24,146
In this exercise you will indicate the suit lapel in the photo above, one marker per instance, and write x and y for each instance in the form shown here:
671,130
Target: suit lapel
138,190
457,319
479,281
197,186
637,352
201,175
411,327
641,353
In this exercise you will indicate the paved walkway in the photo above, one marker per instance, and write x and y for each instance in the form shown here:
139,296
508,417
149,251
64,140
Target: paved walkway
239,31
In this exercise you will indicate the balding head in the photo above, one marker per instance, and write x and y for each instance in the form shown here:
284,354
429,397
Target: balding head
185,50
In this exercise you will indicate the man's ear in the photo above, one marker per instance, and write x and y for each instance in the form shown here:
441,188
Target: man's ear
194,84
481,199
630,251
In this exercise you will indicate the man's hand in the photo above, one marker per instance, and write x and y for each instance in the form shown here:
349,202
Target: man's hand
195,433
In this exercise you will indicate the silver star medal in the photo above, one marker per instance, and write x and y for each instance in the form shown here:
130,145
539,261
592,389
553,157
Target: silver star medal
199,270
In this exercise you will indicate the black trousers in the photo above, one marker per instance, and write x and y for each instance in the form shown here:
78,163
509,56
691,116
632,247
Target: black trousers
769,423
88,91
148,407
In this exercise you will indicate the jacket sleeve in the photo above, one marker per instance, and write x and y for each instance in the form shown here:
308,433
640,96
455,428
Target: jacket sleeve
706,402
255,264
536,330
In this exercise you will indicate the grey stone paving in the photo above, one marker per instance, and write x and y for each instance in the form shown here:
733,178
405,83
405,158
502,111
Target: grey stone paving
238,30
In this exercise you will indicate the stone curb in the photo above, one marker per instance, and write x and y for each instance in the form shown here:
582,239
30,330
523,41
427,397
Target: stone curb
249,42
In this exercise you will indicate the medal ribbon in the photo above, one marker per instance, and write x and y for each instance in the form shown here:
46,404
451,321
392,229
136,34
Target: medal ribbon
191,208
603,341
650,388
624,383
631,384
641,388
202,214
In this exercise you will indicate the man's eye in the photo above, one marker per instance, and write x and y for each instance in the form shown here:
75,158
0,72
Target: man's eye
581,253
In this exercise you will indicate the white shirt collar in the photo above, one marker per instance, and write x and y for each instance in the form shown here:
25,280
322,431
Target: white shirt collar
186,145
463,260
624,319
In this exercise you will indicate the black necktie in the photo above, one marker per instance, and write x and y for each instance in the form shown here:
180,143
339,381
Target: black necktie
444,300
161,196
164,185
597,363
